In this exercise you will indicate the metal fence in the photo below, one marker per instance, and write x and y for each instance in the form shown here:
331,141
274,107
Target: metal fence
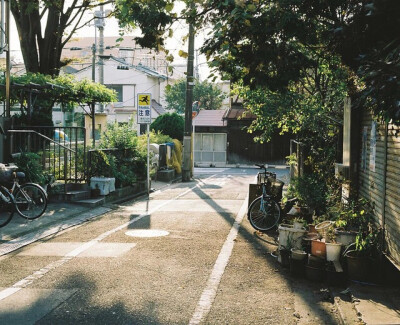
62,149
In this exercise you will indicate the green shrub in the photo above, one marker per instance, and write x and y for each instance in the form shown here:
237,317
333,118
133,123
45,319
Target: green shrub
120,136
310,190
29,163
170,124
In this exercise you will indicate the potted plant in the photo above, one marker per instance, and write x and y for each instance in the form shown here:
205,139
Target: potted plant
361,256
299,223
284,252
349,217
310,192
333,248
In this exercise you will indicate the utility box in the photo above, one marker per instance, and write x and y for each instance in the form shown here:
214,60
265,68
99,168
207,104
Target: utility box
162,152
104,184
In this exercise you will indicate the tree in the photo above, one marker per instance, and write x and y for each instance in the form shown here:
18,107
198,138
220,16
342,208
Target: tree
265,43
170,124
209,96
41,45
311,110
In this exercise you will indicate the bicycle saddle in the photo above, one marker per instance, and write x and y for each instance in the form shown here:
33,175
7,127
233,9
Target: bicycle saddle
261,166
20,174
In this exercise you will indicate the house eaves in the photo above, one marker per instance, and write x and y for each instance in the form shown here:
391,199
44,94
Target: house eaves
210,118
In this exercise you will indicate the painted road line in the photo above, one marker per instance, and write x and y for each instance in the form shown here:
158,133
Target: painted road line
207,298
41,272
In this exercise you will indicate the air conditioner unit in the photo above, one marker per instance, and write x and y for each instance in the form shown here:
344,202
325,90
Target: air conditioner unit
342,171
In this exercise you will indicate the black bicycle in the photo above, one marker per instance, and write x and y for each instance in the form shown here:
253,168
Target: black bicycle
7,206
264,212
30,199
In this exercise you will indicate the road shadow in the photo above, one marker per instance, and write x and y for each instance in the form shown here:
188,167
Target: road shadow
80,307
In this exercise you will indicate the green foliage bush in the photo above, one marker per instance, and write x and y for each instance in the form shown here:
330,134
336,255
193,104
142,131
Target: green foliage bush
119,156
29,163
170,124
310,190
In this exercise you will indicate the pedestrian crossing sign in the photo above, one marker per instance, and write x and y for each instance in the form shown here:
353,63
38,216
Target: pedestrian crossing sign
144,109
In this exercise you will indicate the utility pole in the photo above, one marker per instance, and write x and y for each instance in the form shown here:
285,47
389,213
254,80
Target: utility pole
187,136
93,108
100,24
8,59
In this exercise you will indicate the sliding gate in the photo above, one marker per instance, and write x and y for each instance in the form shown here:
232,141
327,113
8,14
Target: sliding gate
210,149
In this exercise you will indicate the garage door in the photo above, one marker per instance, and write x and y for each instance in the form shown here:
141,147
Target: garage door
210,149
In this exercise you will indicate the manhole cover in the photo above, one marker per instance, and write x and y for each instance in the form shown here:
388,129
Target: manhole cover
147,233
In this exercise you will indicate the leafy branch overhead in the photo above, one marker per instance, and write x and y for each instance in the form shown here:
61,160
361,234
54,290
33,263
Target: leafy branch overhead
269,43
48,90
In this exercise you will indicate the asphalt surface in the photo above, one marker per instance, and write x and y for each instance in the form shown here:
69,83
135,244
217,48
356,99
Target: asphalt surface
186,255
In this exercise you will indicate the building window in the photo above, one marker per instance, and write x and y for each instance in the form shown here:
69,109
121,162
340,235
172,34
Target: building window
119,91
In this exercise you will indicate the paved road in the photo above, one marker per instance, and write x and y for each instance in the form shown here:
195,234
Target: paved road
186,255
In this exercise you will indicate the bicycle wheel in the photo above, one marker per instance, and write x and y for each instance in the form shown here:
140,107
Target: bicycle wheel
31,201
6,206
264,216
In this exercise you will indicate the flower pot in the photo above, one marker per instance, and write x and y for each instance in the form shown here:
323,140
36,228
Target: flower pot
333,251
298,254
311,228
297,225
289,236
284,257
323,227
297,267
333,278
359,268
315,261
315,274
345,237
318,248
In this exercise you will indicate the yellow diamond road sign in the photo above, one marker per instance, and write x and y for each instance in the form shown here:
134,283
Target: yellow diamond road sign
144,109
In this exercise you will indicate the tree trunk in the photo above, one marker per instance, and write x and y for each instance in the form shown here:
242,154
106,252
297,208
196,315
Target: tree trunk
41,53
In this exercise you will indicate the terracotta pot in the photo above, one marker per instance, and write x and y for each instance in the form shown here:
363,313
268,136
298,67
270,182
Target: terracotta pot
311,228
318,248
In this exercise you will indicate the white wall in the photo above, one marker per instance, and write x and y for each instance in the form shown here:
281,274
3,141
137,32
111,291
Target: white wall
133,82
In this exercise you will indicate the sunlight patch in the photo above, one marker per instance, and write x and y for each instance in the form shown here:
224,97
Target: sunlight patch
146,233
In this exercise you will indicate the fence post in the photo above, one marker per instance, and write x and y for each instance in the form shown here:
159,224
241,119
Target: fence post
65,170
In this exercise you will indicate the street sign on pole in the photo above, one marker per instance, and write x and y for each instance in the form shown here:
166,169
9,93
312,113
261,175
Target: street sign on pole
144,109
144,117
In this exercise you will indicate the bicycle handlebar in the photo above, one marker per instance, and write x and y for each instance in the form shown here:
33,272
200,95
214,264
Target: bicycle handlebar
265,172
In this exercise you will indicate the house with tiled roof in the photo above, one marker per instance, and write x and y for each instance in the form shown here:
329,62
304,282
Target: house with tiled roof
128,81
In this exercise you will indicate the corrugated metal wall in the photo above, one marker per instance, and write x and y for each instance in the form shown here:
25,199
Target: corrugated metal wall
380,178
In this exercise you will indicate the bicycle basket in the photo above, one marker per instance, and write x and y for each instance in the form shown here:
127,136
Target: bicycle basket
5,176
6,173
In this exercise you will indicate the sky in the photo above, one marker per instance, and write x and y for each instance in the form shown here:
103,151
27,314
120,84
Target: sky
173,44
